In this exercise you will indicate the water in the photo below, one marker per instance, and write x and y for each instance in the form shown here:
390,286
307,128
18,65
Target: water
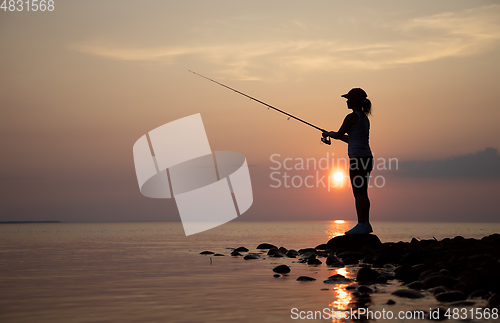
151,272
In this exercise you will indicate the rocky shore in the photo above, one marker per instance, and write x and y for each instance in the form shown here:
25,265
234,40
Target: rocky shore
455,271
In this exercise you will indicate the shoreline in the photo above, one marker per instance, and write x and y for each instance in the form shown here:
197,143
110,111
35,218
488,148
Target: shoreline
429,275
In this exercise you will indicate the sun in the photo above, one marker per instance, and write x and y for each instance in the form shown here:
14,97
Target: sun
338,176
339,221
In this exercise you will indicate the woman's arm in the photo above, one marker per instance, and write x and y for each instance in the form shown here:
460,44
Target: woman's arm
349,121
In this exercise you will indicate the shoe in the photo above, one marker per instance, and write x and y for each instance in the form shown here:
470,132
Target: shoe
360,228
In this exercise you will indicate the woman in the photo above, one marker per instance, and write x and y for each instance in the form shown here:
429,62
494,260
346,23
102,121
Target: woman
357,127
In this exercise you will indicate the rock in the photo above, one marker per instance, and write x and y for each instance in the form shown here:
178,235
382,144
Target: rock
389,267
281,269
351,261
412,258
349,254
381,280
274,253
235,253
438,279
478,293
241,249
307,250
306,279
390,302
337,279
266,246
494,300
408,293
283,250
276,275
322,246
389,275
333,261
439,290
354,242
416,285
368,259
452,296
218,255
380,260
308,255
426,273
292,253
207,253
364,289
368,251
406,273
367,275
314,261
444,272
251,256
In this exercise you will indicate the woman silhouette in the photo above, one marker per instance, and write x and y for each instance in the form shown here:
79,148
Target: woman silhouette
355,132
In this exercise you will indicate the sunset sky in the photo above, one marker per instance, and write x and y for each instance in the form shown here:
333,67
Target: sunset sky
81,84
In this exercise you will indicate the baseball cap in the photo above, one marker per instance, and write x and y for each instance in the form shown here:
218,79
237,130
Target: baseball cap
356,93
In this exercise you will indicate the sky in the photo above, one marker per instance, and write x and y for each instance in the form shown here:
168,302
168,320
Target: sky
79,85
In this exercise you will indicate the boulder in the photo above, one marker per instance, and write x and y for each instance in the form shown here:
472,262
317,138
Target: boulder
351,261
314,261
266,246
334,261
306,279
364,290
281,269
337,279
367,275
452,296
407,273
275,252
322,246
416,285
354,242
408,293
494,300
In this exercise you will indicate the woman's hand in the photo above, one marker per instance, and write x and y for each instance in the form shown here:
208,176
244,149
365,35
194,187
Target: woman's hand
331,134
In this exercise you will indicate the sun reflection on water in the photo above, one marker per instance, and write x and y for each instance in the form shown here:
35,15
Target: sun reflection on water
341,297
336,228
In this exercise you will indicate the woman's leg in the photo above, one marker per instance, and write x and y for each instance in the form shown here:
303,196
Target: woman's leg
359,173
359,184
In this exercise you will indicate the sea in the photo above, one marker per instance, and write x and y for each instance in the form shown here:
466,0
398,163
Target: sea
152,272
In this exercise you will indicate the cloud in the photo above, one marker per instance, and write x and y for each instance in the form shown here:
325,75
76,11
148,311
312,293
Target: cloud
482,164
422,39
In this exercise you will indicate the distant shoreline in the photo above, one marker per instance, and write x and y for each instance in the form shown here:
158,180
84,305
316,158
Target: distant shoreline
20,222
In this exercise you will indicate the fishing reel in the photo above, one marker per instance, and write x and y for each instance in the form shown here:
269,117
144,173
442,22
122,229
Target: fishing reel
327,140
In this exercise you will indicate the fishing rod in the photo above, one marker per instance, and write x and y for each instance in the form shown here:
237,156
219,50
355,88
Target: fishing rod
327,141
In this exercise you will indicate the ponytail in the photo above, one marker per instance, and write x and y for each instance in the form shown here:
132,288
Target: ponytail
367,107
